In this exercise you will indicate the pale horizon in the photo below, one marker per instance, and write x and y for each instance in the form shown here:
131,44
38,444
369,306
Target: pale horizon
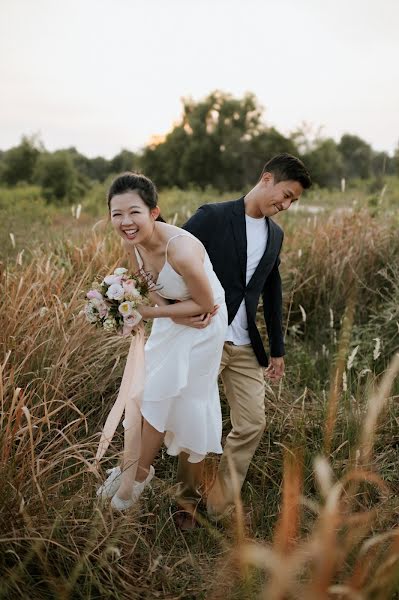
102,76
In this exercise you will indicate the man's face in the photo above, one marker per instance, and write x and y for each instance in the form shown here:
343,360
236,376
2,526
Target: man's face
276,197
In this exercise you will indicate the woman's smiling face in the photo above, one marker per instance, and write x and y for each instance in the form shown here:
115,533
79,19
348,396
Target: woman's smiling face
131,217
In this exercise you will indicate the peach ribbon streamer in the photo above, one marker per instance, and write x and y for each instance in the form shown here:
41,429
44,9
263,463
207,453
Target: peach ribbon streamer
129,401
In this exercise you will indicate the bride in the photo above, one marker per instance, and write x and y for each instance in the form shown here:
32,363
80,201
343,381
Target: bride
180,404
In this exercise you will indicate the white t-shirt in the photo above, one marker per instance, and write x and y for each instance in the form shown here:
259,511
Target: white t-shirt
237,331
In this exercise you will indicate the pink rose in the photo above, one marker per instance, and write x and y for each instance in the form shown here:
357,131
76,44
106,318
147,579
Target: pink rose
94,294
130,288
130,322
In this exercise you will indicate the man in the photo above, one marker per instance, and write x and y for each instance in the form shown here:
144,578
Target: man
244,245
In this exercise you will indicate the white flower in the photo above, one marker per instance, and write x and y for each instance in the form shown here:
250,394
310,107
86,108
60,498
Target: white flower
109,324
91,313
43,311
126,309
113,279
120,271
115,292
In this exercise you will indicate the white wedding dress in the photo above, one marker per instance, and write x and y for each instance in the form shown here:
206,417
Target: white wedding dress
181,395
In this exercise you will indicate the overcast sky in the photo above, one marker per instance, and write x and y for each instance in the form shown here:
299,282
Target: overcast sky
105,74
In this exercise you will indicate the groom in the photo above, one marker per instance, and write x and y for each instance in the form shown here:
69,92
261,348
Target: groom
244,245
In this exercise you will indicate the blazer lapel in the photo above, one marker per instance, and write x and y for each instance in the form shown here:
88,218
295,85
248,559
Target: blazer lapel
240,234
269,253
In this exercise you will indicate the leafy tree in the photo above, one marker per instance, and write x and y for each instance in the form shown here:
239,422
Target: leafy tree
208,145
356,155
161,161
382,164
324,162
18,164
124,161
58,177
95,169
99,168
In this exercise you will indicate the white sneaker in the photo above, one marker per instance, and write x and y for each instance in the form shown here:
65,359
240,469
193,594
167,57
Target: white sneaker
111,484
138,489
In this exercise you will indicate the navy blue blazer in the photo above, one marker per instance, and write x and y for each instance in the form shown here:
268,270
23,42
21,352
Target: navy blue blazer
221,228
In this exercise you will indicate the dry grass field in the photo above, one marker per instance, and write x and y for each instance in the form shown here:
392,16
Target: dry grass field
319,512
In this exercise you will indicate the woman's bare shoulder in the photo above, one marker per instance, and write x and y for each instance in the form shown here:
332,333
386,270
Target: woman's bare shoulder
184,247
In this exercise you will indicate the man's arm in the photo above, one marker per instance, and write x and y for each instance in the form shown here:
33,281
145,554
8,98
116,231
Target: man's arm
273,310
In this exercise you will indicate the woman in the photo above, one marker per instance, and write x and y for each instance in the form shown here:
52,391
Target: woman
181,399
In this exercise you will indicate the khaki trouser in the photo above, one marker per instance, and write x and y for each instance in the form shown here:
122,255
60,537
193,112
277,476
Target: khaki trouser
244,385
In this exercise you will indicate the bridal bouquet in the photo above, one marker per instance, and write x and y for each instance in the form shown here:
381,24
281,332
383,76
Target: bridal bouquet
111,303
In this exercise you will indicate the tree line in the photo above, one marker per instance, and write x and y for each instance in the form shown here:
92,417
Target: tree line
220,141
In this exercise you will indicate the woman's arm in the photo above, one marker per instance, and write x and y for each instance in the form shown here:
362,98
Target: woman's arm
157,299
187,257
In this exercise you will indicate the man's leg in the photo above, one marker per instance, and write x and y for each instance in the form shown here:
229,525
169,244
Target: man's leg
189,478
244,385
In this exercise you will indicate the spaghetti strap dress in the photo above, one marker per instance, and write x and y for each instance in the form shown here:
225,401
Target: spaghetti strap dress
181,395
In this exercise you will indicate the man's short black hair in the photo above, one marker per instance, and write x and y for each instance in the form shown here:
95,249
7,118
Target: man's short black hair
286,167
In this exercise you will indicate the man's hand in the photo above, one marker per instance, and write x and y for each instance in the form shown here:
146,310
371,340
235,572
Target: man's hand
198,321
275,370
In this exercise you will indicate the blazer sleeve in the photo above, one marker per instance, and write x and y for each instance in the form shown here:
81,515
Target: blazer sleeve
200,224
273,311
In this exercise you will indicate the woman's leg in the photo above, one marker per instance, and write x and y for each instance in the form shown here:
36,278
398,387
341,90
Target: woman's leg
151,442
